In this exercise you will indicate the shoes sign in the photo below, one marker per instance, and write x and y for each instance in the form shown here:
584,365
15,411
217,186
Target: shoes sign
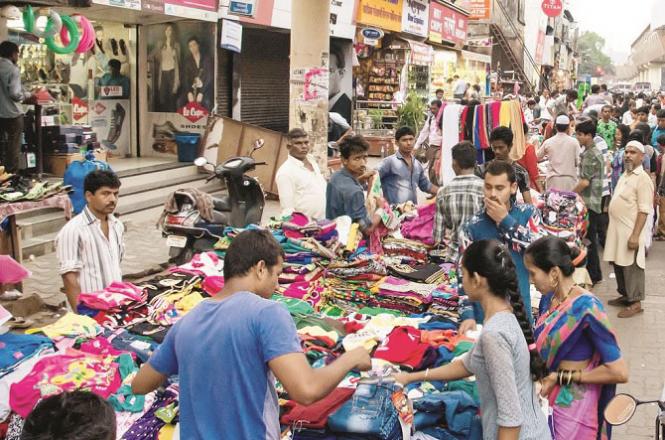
193,111
552,8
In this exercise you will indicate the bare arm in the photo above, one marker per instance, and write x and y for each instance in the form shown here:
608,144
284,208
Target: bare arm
581,186
307,385
506,433
610,373
452,371
147,380
639,224
70,281
526,195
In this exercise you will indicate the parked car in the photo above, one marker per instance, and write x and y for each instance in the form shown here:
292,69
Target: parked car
621,88
642,87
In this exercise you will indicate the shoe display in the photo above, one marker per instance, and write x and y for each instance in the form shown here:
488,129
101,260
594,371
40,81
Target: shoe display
117,118
114,46
123,47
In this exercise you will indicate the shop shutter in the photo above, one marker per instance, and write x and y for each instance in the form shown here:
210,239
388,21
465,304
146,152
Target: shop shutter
224,81
264,79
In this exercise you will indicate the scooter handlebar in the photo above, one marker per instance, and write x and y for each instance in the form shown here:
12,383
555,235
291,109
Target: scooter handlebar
212,176
261,163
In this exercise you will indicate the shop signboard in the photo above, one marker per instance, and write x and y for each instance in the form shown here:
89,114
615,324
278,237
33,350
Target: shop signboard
341,19
552,8
231,36
371,36
193,111
110,91
414,17
446,23
245,8
79,111
206,10
128,4
478,9
384,14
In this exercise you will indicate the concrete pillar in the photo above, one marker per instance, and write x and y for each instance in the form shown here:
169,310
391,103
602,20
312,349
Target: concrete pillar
310,46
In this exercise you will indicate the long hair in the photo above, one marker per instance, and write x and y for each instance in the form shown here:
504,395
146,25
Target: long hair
490,259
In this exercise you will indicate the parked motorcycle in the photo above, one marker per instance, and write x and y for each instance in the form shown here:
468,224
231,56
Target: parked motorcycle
187,232
623,406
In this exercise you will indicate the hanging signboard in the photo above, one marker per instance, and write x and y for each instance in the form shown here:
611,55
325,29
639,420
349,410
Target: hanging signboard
479,9
552,8
446,23
231,36
371,36
384,14
414,17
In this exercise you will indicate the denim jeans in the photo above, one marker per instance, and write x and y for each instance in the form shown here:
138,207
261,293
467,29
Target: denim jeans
458,408
370,411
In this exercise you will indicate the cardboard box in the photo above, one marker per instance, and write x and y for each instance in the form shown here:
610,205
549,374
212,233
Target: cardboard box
56,164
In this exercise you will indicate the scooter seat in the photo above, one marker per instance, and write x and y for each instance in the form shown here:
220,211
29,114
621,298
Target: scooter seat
221,205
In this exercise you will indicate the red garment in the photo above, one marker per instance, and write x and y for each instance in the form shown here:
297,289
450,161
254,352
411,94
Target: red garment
437,338
403,347
316,415
462,122
530,162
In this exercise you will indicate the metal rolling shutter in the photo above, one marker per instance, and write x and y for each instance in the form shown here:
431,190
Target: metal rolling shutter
224,81
264,79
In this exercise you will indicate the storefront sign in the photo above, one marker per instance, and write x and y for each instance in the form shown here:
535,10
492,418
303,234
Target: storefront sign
193,111
110,92
384,14
445,23
414,17
245,8
421,54
231,36
371,36
206,10
552,8
341,19
79,111
479,9
128,4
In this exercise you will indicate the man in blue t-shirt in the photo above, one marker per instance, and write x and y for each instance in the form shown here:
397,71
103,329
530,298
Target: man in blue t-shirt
227,348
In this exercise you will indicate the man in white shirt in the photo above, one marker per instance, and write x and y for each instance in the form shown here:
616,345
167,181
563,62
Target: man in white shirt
300,184
90,246
432,136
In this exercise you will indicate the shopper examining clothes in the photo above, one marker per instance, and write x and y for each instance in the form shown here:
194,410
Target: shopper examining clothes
562,152
75,415
459,200
401,174
90,246
11,95
252,339
300,184
501,142
514,224
344,193
625,247
504,359
576,341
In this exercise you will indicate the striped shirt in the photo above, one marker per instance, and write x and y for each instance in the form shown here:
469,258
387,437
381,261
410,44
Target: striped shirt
82,247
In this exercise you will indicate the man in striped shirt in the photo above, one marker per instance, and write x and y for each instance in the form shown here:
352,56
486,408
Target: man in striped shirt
90,246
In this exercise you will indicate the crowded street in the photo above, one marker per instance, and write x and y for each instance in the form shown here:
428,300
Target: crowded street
332,219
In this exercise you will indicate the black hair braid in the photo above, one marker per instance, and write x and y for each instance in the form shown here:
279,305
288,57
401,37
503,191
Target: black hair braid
536,363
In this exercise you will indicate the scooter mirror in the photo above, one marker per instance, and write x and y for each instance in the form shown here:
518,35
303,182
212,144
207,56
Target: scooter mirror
200,161
620,409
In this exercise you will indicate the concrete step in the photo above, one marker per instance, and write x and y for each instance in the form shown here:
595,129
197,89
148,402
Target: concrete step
38,246
155,175
44,222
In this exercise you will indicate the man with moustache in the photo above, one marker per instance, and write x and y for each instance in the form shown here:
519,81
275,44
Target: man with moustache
300,184
90,246
629,208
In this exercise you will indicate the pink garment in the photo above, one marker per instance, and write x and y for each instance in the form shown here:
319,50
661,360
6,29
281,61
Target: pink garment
73,370
421,228
117,294
101,346
205,263
11,271
213,284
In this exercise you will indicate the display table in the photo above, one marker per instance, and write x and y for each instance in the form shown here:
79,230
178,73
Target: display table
10,240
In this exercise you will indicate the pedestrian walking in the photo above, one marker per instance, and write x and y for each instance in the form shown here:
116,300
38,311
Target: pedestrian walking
629,209
562,152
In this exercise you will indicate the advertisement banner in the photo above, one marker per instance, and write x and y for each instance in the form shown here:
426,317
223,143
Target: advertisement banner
384,14
206,10
79,111
479,9
447,24
109,118
231,36
414,17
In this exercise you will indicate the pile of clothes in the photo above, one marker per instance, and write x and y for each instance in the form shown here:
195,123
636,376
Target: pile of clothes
340,297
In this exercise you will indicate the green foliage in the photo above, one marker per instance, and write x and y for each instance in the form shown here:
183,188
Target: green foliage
377,118
590,46
411,112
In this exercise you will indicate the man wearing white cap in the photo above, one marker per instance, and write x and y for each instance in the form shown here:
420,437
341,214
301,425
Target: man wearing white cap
563,154
630,206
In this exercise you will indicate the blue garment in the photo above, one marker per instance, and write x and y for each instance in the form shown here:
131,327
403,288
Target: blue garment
399,182
221,350
456,408
17,347
345,196
519,229
657,132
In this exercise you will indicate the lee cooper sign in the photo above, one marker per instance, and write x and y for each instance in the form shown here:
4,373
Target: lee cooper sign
447,24
552,8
